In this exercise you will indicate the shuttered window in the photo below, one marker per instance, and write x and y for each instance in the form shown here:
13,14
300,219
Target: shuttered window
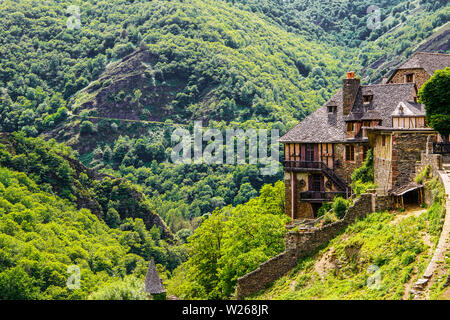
349,152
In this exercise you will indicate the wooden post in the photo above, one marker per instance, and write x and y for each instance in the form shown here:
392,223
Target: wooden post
292,195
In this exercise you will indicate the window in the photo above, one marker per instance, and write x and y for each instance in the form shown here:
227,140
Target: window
316,183
349,152
383,141
410,77
350,126
332,109
309,152
367,98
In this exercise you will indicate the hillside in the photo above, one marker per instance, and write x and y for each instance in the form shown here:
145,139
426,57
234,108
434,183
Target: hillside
56,170
210,60
43,238
379,257
241,60
90,93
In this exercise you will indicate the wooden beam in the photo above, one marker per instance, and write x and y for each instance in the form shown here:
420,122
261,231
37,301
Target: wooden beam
292,195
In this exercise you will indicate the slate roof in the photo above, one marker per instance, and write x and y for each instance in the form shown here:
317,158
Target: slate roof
153,284
428,61
322,126
401,190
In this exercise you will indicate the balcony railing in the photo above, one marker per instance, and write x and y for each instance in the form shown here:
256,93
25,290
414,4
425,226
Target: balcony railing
441,147
320,195
303,164
292,165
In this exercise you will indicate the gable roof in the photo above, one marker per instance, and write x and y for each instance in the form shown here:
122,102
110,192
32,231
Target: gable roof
386,98
153,284
324,127
320,126
426,60
408,109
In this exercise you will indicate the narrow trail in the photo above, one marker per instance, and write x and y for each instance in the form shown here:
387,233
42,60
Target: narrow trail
435,269
127,120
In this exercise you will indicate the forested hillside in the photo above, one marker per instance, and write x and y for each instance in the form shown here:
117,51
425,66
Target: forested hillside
47,223
96,88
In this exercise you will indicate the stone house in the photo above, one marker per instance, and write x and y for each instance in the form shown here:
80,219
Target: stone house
324,149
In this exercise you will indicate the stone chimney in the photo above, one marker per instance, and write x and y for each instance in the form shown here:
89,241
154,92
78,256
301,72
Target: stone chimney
349,91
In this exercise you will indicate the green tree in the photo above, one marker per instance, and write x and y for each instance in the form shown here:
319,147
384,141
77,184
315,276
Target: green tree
86,127
112,218
16,284
246,192
129,288
435,95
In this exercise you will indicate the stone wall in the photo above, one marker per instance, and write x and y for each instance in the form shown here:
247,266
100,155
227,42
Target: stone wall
406,151
420,76
302,210
382,175
266,273
345,168
299,245
433,160
383,203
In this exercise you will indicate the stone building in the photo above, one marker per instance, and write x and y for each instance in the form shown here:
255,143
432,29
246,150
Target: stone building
324,149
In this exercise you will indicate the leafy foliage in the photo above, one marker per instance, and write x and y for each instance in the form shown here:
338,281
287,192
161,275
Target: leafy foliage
230,243
41,235
434,94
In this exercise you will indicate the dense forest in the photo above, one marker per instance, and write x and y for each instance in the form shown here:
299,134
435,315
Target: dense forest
95,89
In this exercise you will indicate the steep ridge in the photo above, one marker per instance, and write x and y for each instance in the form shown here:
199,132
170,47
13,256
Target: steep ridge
55,168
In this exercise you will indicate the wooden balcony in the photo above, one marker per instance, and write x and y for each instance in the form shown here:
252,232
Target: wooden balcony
293,165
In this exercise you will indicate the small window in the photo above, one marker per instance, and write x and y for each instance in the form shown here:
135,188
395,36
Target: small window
350,127
410,77
332,109
349,153
383,141
368,98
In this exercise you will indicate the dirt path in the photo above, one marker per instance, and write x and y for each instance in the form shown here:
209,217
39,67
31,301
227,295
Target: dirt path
412,210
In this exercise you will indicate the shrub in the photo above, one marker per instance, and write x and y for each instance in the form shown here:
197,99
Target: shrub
129,288
423,175
329,217
86,127
327,206
340,206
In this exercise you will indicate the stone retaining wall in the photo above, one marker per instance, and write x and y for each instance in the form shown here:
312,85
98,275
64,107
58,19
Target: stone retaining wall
302,244
383,203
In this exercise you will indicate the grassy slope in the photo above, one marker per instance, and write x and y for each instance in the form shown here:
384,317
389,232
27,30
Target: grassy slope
399,247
